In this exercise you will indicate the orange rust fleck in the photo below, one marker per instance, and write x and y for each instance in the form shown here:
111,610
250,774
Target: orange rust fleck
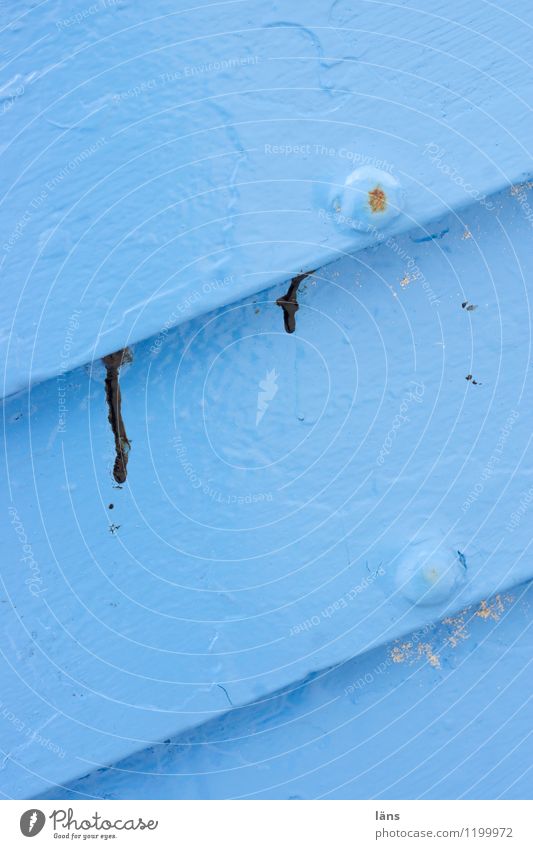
457,627
400,653
426,650
493,609
377,200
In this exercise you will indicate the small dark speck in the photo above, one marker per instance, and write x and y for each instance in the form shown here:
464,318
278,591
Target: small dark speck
471,379
111,506
470,307
301,418
257,311
113,528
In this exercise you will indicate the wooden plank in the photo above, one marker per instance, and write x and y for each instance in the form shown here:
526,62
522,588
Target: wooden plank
292,500
159,164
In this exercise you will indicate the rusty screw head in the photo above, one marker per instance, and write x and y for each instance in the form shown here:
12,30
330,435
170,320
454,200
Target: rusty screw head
377,200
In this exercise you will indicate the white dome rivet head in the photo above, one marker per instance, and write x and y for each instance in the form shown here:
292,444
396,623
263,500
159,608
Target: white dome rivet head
370,199
431,575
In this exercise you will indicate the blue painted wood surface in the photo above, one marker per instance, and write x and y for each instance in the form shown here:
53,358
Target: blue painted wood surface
293,502
443,713
259,539
159,163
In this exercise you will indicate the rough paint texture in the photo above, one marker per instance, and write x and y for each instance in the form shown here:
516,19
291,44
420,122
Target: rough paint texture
159,162
443,714
276,487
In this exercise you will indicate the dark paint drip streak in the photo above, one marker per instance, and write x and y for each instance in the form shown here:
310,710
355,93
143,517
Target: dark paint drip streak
289,302
113,363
